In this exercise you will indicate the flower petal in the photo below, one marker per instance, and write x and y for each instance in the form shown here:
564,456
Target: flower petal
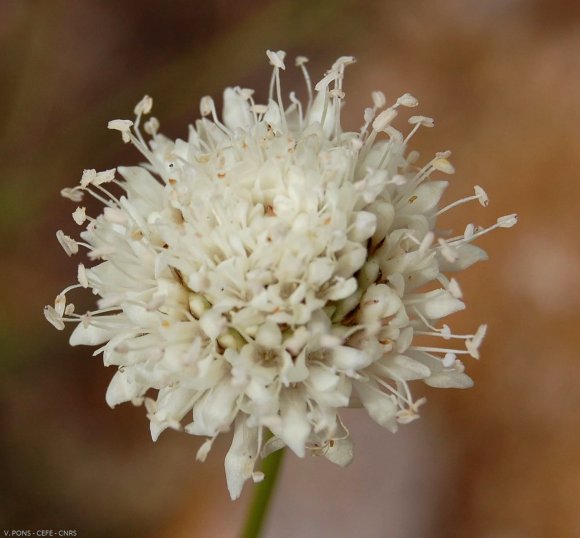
240,459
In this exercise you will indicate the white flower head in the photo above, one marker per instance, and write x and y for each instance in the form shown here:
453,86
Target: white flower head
272,270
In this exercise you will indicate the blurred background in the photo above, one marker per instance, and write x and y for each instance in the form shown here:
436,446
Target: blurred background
502,80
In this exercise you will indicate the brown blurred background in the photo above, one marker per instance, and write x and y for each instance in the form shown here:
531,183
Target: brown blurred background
502,80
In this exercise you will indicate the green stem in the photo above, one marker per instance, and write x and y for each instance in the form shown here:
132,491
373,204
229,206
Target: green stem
262,495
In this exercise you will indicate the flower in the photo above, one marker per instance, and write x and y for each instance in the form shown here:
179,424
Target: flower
271,270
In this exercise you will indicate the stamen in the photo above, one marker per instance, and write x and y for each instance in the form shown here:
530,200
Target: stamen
401,397
441,163
407,100
439,350
417,122
60,304
298,105
468,233
506,221
337,94
53,318
384,119
80,215
100,198
207,107
69,288
449,360
379,99
122,125
107,193
143,107
69,245
75,194
449,253
426,243
479,195
482,195
301,62
151,126
82,276
390,144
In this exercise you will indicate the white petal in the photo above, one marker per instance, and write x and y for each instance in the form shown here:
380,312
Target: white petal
363,227
340,290
142,188
269,335
425,197
121,389
172,405
438,304
295,428
273,116
350,262
385,213
272,445
441,377
140,316
404,340
466,255
236,110
204,449
378,302
379,406
350,359
316,111
340,451
322,380
320,270
215,411
402,367
449,380
212,323
89,336
240,459
294,371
